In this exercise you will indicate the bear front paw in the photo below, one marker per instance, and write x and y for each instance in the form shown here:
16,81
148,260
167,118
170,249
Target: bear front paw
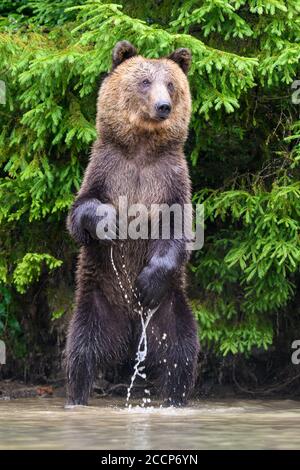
151,287
81,236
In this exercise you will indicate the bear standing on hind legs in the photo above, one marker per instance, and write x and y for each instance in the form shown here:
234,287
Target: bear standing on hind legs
143,112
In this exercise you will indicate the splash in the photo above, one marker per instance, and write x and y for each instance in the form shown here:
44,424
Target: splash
145,317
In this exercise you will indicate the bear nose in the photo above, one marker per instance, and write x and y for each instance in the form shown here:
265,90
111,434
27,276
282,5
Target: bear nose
163,109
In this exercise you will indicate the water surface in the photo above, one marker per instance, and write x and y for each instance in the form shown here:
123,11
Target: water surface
42,423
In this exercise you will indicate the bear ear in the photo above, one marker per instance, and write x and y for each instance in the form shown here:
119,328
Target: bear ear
183,58
123,50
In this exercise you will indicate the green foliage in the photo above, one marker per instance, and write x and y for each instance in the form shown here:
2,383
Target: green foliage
57,314
29,269
243,147
5,299
49,12
220,327
10,328
258,250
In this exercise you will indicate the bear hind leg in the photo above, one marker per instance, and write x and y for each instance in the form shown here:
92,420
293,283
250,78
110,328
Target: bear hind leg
174,359
98,336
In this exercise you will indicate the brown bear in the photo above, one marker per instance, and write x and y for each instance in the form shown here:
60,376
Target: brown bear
143,114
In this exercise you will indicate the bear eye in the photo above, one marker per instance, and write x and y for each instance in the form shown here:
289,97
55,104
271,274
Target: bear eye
146,82
170,86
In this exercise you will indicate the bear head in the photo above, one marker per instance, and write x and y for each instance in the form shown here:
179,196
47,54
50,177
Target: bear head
144,97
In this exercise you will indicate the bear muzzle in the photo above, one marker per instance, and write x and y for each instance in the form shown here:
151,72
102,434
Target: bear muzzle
163,109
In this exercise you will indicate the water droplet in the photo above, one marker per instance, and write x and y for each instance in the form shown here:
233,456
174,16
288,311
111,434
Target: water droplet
145,319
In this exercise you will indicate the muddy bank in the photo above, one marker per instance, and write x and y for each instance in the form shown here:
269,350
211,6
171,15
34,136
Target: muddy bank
12,390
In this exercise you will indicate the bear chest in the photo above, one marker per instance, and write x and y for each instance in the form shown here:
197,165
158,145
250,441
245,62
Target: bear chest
147,185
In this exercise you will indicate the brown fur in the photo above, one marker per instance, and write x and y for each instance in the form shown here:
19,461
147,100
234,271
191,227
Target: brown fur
126,120
141,157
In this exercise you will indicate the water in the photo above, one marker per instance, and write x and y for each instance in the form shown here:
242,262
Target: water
42,423
145,318
141,353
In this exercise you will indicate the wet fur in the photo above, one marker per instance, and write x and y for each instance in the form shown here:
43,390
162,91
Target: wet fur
144,160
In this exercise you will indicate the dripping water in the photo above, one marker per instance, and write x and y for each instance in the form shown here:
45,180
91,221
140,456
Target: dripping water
145,317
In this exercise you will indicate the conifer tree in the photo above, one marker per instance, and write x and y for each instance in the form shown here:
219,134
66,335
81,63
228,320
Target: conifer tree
243,151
